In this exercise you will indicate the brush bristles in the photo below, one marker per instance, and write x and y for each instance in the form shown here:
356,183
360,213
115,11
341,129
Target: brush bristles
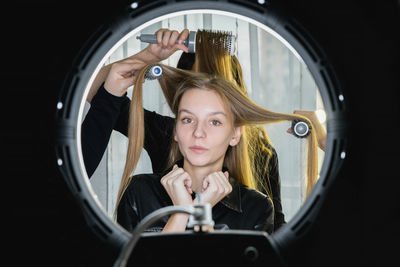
222,41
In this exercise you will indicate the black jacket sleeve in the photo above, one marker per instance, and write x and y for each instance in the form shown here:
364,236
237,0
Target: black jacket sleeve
157,134
158,138
97,127
109,112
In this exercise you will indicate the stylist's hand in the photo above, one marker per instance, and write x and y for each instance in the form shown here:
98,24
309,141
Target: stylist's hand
122,75
166,45
215,187
178,185
319,130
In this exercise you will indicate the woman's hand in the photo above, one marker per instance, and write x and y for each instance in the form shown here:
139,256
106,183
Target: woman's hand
167,45
215,187
178,185
319,130
122,75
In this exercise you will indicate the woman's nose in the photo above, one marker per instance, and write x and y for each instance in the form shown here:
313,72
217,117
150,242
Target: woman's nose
199,131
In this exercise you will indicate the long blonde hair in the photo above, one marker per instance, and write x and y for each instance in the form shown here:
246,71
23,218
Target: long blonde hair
174,82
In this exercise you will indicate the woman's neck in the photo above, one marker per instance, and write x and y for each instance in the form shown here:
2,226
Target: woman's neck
199,173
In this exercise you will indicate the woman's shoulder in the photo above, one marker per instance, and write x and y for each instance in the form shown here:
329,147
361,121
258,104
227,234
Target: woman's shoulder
254,197
140,182
250,192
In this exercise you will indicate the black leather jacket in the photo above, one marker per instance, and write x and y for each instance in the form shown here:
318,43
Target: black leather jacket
242,209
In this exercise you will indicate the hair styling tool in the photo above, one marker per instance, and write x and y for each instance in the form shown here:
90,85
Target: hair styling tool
190,42
300,128
153,72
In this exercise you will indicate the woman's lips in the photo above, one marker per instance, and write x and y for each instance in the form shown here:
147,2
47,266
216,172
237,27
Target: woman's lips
198,149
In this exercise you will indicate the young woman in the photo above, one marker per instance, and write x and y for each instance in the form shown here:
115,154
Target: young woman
209,154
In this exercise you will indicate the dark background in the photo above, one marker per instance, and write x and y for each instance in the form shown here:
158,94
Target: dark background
358,225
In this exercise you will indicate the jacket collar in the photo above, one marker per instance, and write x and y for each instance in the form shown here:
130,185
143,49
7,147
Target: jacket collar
231,201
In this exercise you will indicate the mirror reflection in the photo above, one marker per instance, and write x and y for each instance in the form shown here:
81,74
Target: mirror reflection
272,76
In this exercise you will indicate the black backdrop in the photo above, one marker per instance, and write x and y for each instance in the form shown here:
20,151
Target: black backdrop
358,225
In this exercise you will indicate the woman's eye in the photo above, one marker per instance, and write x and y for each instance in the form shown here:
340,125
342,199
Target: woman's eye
186,120
215,123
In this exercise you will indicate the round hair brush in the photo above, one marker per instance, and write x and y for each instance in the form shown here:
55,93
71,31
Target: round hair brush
300,128
190,42
153,72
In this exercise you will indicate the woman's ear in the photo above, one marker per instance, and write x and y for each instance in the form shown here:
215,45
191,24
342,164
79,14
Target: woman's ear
236,136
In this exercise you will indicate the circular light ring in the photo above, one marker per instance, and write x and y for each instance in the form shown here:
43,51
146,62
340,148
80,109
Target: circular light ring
103,42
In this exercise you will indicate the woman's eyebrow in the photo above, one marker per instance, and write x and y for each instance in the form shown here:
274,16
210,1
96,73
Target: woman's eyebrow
184,110
217,113
209,114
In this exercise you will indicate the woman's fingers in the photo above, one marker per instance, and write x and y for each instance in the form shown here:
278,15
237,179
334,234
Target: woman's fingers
205,183
175,172
218,181
159,35
122,75
126,70
165,39
220,187
226,173
178,185
183,36
215,187
224,183
173,38
188,185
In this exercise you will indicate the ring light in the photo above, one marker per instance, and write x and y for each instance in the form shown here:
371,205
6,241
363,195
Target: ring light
135,17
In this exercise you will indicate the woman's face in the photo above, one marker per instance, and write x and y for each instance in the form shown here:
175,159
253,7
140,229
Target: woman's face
204,128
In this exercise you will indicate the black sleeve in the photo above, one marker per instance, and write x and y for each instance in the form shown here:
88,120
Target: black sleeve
109,112
273,170
97,127
121,125
158,138
157,134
